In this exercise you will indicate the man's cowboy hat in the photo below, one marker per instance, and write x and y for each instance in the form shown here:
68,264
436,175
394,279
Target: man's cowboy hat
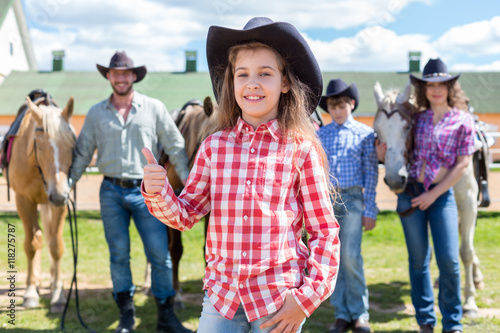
281,36
120,60
337,87
434,71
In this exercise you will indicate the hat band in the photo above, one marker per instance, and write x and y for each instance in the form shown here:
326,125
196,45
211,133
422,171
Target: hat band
436,74
120,64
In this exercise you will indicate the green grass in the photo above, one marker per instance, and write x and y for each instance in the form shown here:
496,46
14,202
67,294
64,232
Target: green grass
384,254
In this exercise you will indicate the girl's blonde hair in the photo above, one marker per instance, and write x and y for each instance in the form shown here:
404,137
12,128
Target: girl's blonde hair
456,96
293,108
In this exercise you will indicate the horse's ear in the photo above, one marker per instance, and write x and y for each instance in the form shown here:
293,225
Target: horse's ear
37,114
208,106
68,109
377,92
404,96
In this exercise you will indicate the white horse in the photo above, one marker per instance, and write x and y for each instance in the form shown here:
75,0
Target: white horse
394,125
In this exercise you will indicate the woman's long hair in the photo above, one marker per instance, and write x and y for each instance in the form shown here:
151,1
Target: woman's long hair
293,108
456,96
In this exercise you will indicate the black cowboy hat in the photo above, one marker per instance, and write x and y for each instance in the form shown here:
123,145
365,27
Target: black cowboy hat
337,87
281,36
120,60
434,71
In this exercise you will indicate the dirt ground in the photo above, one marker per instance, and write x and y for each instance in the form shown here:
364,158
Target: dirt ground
87,195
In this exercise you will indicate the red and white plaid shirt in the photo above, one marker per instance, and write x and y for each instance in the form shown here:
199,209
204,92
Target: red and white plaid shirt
258,187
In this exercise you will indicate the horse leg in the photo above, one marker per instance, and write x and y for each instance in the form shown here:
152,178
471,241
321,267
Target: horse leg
32,247
176,249
466,197
146,286
53,222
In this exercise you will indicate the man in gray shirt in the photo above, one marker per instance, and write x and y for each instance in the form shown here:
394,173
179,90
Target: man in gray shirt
119,127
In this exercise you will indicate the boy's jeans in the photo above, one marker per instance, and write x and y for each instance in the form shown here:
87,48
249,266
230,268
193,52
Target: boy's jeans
350,298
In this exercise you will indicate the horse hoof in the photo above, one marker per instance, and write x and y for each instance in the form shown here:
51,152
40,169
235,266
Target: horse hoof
178,301
57,307
147,291
31,302
470,313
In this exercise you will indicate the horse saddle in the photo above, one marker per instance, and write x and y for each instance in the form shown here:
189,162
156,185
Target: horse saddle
38,96
480,160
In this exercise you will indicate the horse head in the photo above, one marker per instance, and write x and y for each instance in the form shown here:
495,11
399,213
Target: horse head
394,125
54,140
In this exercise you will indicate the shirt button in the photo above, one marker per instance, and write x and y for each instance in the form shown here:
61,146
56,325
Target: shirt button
241,286
245,217
252,150
249,182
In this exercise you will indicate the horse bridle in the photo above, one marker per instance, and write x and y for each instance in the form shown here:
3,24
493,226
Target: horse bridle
404,110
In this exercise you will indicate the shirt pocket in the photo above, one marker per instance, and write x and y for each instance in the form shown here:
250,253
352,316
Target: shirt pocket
277,180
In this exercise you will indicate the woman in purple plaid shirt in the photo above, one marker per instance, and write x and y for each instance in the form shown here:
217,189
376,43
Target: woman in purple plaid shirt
444,144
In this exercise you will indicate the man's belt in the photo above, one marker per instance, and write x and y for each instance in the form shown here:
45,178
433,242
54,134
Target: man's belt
125,183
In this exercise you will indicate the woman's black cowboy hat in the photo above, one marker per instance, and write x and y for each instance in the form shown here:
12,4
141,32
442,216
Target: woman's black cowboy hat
281,36
434,71
120,60
337,87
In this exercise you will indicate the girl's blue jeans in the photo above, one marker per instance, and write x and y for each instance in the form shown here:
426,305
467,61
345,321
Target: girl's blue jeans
441,218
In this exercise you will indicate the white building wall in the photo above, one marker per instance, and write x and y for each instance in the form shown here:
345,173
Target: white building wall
12,54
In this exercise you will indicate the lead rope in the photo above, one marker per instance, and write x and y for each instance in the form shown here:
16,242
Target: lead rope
74,247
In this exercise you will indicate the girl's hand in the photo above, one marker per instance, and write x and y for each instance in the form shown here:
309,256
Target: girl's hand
424,200
288,318
155,176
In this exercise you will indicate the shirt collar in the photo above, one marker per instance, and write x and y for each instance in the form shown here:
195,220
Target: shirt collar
136,101
242,127
349,123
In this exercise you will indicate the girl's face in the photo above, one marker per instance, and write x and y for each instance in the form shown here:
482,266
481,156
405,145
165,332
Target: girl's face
436,93
258,84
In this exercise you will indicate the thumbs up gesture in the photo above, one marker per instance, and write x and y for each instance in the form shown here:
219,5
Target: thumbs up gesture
155,176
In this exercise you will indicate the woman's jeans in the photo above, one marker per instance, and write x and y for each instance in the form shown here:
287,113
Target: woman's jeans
442,219
117,206
213,322
350,298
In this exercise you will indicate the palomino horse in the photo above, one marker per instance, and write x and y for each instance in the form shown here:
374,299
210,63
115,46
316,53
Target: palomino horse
41,155
394,125
191,121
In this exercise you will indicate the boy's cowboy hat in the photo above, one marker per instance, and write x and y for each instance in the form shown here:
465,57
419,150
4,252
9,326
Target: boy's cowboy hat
281,36
434,71
337,87
120,60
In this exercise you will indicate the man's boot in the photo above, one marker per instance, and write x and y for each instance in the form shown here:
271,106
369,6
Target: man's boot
167,320
127,312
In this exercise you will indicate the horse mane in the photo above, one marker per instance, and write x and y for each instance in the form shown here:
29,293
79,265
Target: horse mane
55,126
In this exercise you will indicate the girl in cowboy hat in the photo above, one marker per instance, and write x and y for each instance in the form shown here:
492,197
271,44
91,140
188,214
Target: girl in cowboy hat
443,148
262,176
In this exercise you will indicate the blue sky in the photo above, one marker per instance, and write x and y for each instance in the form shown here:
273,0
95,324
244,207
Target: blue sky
347,35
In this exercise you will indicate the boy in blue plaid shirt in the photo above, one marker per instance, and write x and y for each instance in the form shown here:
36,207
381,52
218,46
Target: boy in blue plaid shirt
349,146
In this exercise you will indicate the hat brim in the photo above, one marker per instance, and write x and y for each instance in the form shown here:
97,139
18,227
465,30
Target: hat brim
281,36
140,71
351,92
415,80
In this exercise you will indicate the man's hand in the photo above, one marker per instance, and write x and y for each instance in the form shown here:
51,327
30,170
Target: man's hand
288,318
381,149
155,176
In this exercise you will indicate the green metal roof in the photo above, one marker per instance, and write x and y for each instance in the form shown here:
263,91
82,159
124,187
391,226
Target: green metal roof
174,89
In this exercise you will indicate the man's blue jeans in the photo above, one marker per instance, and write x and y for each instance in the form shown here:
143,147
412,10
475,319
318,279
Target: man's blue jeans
118,205
350,298
442,218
